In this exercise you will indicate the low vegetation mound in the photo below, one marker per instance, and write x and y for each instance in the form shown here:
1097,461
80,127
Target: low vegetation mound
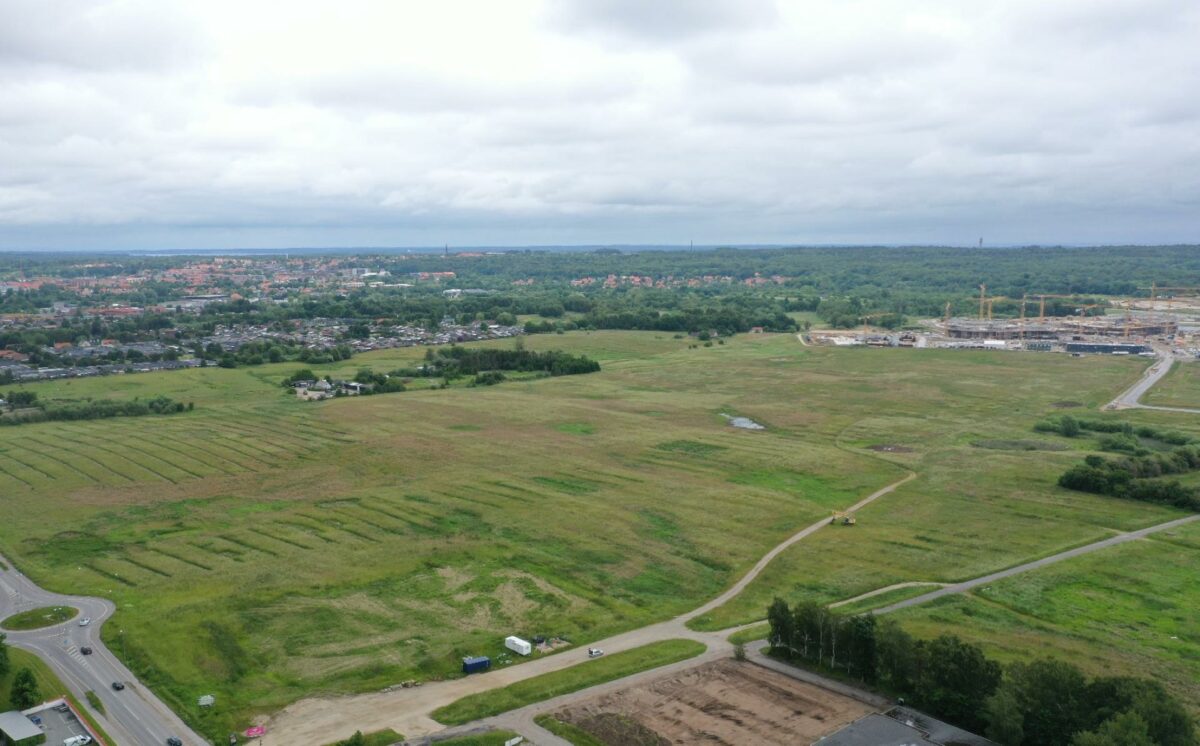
46,616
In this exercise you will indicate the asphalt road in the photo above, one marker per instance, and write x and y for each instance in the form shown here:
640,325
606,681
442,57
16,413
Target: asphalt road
986,579
134,716
1131,397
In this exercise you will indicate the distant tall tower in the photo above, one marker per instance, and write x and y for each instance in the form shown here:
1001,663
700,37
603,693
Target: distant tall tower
446,251
981,242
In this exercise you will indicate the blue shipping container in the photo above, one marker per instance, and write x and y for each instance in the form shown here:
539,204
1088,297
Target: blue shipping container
476,664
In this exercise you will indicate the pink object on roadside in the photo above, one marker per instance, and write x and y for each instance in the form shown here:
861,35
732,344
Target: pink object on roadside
255,732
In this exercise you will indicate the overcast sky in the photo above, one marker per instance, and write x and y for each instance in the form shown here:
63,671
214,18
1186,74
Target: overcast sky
157,124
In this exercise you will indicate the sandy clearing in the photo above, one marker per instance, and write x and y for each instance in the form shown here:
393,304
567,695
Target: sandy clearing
719,703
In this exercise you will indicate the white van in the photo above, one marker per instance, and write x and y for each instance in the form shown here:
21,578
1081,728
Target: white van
77,741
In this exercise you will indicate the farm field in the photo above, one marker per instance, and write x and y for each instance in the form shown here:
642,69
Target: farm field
1179,388
1126,611
263,549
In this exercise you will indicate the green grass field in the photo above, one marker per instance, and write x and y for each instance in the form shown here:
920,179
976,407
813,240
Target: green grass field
264,549
1179,388
581,676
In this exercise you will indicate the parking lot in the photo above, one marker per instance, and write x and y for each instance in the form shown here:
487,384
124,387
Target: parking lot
58,725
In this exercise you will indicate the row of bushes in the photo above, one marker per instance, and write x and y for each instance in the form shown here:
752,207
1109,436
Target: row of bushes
1136,475
1044,703
1072,426
92,409
1132,477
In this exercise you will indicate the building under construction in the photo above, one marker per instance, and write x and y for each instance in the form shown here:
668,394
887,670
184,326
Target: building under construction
1059,327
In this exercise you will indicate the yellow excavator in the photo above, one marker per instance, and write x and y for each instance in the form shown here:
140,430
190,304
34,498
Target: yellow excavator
842,517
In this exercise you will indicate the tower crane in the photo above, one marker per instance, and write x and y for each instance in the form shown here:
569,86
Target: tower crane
866,316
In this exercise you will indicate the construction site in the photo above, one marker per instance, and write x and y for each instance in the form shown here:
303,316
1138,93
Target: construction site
1047,322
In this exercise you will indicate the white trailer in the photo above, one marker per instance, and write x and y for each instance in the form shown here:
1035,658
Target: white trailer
517,645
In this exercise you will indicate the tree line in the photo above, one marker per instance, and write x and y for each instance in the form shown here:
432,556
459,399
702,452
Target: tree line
24,407
456,362
1043,703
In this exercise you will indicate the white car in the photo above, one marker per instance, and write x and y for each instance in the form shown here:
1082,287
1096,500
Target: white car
85,621
595,652
77,741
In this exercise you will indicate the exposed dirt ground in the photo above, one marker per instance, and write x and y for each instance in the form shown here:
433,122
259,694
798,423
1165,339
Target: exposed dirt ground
719,703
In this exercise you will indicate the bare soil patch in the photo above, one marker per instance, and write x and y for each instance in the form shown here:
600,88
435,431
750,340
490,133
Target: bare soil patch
890,448
725,702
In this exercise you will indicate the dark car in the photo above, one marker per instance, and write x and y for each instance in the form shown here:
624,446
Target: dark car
118,686
85,650
173,741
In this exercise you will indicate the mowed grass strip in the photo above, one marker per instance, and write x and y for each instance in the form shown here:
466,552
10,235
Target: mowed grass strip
556,683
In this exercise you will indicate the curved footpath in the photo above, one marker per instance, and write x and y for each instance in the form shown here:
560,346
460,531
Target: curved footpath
133,716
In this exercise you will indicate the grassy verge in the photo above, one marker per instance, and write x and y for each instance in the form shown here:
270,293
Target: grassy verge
48,683
385,737
750,634
94,701
91,720
46,616
569,680
491,738
577,736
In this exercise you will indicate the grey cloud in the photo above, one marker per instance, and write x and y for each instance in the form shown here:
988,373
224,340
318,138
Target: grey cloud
1028,121
658,20
94,35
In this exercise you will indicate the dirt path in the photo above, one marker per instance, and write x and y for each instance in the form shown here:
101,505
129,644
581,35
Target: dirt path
749,577
406,710
326,719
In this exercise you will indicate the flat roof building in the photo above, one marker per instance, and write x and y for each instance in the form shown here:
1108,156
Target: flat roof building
18,730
